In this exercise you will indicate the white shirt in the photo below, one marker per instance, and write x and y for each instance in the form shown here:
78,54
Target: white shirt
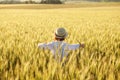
59,48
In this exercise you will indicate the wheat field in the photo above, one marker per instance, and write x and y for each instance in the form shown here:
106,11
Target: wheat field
22,29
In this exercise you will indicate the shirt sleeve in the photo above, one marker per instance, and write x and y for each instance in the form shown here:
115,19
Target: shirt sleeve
45,45
73,46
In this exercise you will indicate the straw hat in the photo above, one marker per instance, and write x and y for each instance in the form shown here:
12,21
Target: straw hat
60,33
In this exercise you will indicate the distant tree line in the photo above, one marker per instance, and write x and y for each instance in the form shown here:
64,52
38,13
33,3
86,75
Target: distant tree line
51,1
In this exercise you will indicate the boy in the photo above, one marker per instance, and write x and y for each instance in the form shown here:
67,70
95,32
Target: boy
58,47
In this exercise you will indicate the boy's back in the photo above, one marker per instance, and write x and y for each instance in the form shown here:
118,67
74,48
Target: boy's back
59,48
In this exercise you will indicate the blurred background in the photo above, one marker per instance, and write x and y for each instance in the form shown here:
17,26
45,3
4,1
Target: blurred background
51,1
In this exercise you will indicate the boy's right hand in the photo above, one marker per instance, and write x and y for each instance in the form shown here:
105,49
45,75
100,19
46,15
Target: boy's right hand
82,45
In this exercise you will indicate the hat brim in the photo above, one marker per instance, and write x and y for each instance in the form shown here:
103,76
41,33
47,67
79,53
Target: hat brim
57,36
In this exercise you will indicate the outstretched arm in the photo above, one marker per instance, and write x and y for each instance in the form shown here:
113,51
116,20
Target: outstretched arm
75,46
45,45
42,45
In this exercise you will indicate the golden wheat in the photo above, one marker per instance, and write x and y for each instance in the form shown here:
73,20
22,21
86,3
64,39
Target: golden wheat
21,31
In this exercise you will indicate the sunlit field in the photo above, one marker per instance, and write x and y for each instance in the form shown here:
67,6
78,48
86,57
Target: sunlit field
22,29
